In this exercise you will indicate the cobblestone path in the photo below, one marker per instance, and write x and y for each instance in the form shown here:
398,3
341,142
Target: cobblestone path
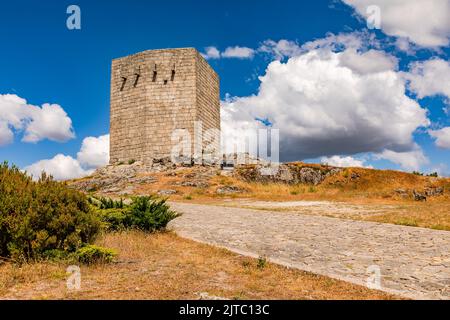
413,262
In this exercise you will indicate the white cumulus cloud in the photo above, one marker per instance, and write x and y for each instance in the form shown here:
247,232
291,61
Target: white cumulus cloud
408,160
280,49
37,123
61,167
230,52
238,52
94,153
442,137
325,105
211,53
429,78
340,161
424,22
372,61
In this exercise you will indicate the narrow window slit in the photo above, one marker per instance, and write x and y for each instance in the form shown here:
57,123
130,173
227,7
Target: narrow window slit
124,81
136,80
155,74
173,75
165,81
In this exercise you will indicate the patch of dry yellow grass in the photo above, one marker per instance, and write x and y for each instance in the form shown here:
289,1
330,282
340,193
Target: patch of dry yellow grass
164,266
370,188
433,215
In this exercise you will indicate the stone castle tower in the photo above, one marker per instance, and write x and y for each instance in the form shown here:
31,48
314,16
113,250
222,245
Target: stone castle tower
154,93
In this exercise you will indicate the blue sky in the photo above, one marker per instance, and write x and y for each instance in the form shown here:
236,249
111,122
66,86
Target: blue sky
43,61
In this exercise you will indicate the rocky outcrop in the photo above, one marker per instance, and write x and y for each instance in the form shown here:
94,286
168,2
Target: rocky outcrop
402,193
166,192
194,184
289,173
117,179
434,191
420,195
229,190
124,179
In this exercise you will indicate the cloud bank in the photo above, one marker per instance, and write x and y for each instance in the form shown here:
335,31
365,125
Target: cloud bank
94,153
49,121
408,160
328,103
429,78
347,161
423,22
230,52
442,137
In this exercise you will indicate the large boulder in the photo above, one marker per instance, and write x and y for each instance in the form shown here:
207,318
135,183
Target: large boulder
290,173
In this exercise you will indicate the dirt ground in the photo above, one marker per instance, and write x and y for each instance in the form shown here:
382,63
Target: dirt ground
165,266
433,215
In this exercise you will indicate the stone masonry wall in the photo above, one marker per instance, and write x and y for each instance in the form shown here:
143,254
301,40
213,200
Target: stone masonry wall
208,104
154,93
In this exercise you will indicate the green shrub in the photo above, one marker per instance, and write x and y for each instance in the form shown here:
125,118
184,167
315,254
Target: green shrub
144,213
115,219
37,217
107,203
56,255
149,214
261,263
91,254
131,161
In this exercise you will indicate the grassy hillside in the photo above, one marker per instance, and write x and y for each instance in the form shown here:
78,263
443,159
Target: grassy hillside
350,184
357,193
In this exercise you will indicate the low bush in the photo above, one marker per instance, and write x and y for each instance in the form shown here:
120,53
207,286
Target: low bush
37,217
91,254
261,263
107,203
149,214
114,219
144,213
46,219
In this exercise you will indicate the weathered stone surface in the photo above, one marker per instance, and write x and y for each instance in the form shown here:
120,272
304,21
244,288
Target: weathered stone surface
229,190
428,192
414,262
418,196
195,184
120,179
153,94
167,192
289,173
355,176
434,191
402,193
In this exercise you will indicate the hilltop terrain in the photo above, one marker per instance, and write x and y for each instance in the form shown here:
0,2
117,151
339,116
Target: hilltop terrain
290,181
354,193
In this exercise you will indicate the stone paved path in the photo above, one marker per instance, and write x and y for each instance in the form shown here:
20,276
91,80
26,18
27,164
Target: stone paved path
414,262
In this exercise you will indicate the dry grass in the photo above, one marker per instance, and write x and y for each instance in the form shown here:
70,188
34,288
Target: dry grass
372,189
433,215
164,266
371,185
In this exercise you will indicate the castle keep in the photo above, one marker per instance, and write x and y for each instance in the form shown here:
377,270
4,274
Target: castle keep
156,92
